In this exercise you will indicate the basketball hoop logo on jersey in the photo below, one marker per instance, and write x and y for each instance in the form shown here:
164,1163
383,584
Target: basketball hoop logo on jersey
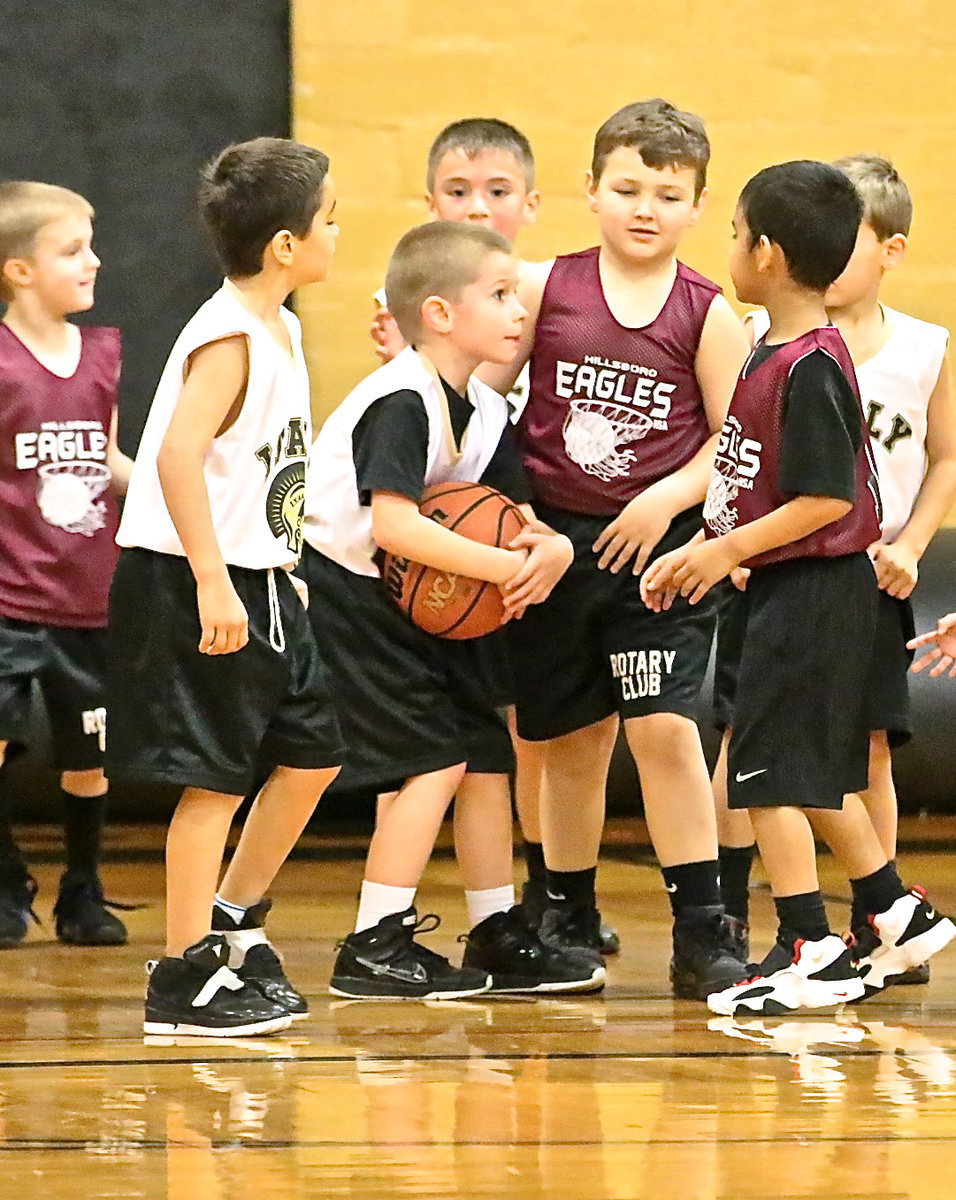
606,412
68,457
736,464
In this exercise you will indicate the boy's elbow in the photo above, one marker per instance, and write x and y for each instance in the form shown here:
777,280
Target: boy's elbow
387,530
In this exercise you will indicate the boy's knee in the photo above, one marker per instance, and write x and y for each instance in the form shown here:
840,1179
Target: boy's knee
84,783
660,733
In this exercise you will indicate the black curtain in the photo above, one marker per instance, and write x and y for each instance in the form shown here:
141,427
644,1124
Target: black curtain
123,101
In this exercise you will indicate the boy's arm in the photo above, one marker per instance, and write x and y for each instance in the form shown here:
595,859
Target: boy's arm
692,570
530,290
896,564
638,528
943,655
211,398
399,528
120,464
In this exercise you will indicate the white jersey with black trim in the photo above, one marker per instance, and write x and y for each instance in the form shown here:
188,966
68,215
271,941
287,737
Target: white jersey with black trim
337,524
895,385
255,470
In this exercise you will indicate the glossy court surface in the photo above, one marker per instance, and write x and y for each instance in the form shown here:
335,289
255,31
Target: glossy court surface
632,1094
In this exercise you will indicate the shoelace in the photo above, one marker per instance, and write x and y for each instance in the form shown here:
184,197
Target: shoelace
92,892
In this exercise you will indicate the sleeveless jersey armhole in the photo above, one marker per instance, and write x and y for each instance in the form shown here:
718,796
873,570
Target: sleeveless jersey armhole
235,409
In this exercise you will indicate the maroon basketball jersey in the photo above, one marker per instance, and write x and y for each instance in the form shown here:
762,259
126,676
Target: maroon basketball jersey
58,551
744,485
611,410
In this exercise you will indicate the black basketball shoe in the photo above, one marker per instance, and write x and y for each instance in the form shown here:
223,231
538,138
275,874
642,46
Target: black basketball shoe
386,963
199,995
255,960
705,953
573,927
17,891
511,952
82,915
534,900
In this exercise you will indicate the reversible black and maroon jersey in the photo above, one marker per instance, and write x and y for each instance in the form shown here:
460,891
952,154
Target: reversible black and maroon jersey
612,410
750,470
57,552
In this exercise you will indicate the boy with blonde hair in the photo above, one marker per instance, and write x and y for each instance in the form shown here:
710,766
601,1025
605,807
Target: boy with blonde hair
229,685
633,357
904,381
59,468
419,713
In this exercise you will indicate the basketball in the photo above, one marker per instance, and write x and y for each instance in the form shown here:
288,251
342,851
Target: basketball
447,605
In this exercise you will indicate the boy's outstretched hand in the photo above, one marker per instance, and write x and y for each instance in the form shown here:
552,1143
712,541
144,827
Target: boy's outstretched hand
633,534
549,556
942,657
690,570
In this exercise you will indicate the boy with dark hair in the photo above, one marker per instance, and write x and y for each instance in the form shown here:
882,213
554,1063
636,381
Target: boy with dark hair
633,357
903,376
59,467
229,679
793,498
419,713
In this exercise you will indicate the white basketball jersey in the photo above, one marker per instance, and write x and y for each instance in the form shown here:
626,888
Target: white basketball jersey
336,523
895,384
255,470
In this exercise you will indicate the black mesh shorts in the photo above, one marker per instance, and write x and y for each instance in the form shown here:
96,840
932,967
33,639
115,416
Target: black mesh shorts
70,667
219,722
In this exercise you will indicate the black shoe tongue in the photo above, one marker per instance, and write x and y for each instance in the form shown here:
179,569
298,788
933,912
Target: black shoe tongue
209,954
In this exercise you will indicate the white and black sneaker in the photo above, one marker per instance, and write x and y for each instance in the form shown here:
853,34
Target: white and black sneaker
821,975
255,960
199,995
386,963
906,935
510,951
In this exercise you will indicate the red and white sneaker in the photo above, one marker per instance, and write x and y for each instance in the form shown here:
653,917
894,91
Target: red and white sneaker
821,975
907,934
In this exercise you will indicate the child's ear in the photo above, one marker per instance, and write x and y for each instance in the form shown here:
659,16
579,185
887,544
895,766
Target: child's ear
17,272
282,245
530,211
698,206
766,253
431,205
591,186
437,314
894,251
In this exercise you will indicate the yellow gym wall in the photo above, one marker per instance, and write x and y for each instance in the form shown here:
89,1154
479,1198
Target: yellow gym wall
374,81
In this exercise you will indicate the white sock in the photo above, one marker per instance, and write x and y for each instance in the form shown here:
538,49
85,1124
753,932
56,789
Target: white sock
488,902
236,911
378,900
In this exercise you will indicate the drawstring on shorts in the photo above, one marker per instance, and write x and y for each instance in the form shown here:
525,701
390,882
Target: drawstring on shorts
276,632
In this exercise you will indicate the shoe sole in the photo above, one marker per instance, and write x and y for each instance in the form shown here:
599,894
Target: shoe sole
898,959
434,995
697,991
810,994
182,1029
66,941
915,977
511,987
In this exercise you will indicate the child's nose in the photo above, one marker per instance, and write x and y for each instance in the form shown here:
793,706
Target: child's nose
479,205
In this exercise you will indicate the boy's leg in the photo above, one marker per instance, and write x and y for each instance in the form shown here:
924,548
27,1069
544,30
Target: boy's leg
735,849
880,794
501,941
679,808
195,844
818,971
381,960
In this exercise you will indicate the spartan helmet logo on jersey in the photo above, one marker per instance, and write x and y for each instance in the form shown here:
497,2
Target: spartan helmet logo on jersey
67,495
284,505
596,432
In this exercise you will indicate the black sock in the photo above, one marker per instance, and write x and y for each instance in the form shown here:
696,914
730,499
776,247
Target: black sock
692,885
534,857
83,827
875,893
572,887
735,863
802,916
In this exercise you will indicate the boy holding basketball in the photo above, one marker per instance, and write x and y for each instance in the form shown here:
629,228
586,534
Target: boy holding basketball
794,499
59,468
481,171
229,686
419,713
633,357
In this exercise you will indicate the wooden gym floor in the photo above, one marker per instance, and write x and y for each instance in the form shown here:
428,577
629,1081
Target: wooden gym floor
629,1095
